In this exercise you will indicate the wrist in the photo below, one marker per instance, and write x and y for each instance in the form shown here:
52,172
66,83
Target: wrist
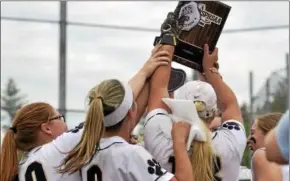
179,145
211,71
143,74
179,142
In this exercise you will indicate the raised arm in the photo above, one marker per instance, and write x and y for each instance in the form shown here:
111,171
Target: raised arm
159,81
157,59
137,82
225,96
142,101
180,132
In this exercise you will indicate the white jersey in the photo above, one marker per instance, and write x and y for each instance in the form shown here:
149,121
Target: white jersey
229,142
117,160
40,163
285,172
245,174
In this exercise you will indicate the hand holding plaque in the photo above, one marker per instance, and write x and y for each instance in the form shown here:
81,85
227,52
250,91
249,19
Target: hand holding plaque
193,24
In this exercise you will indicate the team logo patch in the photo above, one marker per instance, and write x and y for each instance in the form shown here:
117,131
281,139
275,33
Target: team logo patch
196,14
154,167
190,14
232,125
207,17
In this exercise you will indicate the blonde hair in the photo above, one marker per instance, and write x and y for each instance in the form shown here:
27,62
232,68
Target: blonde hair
202,157
103,99
268,121
22,136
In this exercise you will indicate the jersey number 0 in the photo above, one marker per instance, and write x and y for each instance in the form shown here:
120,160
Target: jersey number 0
94,173
35,172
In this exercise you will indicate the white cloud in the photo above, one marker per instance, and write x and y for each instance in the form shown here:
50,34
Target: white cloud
146,14
29,51
26,9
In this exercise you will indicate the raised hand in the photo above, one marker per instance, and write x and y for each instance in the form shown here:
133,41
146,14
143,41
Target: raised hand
180,131
158,58
210,60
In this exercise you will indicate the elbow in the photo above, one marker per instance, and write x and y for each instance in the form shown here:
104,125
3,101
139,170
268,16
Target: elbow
269,156
274,156
273,153
268,147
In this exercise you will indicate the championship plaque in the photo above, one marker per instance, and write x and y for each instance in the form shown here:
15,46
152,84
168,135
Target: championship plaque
195,23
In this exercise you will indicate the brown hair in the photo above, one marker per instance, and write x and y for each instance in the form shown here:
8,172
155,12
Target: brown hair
103,99
22,136
202,158
268,121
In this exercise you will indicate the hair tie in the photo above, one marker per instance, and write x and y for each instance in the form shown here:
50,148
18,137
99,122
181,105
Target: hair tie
13,129
100,97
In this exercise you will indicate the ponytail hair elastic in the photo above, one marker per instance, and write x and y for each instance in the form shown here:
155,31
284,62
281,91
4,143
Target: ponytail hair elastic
120,113
13,128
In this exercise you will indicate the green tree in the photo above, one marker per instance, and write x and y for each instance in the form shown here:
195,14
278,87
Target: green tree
280,98
247,123
11,99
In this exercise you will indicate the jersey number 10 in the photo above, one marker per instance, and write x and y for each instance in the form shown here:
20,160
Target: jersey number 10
35,172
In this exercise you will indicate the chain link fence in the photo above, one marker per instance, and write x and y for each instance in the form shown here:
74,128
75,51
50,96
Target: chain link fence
273,94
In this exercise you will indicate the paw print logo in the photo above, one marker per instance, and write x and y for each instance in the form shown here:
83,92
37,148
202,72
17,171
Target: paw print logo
232,125
154,167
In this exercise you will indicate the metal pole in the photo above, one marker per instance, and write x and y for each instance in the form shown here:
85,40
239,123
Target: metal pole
288,78
288,93
251,111
62,58
268,94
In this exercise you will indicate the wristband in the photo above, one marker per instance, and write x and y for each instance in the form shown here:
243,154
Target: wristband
214,71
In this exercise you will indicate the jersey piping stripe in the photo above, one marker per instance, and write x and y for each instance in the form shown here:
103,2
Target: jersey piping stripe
160,176
37,149
214,136
98,150
110,146
152,117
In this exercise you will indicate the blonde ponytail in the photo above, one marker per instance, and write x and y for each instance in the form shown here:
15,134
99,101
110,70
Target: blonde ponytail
103,99
93,131
202,158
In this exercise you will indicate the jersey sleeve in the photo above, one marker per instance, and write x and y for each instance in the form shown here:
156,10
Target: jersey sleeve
157,137
142,166
282,135
230,140
68,140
